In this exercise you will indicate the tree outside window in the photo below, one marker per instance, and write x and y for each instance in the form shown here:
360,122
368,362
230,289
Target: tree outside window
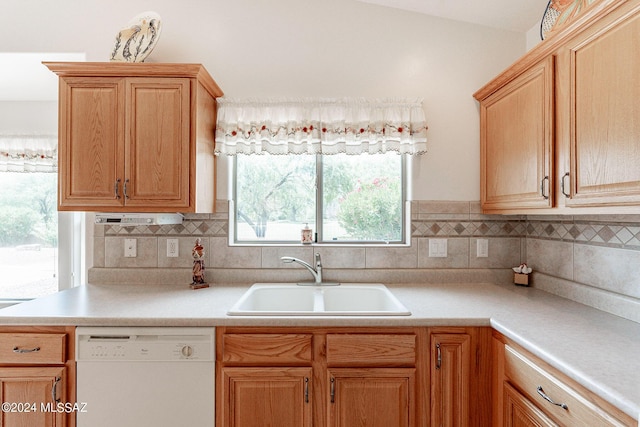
360,197
28,234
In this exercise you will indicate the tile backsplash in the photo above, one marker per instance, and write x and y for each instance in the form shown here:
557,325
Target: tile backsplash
590,259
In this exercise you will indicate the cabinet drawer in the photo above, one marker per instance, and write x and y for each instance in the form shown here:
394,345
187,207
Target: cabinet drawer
533,381
269,349
30,348
371,350
518,411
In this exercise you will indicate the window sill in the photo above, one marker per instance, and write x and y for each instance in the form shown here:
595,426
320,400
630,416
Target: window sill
321,245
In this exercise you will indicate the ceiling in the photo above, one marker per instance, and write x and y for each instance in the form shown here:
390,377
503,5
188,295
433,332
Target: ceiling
513,15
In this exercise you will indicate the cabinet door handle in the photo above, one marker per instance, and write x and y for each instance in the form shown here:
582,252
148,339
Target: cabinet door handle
115,188
54,390
126,192
333,390
546,196
306,390
438,356
548,399
26,350
568,196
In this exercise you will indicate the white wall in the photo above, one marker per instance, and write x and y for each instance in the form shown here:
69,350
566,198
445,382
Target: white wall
533,37
29,116
300,48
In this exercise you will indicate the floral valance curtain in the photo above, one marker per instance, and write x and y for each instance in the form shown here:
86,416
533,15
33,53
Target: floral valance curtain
28,153
320,126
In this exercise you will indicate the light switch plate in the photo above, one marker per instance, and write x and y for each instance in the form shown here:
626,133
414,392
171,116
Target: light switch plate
130,248
482,248
172,248
437,248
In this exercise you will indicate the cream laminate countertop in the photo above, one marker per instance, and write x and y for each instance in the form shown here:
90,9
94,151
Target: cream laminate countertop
598,350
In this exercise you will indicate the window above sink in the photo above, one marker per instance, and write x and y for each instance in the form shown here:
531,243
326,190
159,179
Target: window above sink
342,199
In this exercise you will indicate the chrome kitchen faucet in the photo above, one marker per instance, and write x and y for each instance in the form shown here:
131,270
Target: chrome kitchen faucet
316,272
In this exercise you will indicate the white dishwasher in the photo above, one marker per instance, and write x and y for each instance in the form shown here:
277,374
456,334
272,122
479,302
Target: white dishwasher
146,376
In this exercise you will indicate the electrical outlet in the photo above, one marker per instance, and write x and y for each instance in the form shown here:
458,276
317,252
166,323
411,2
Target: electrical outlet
172,248
482,248
130,248
437,248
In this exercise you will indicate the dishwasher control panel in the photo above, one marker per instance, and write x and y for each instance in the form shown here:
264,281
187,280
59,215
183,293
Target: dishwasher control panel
138,344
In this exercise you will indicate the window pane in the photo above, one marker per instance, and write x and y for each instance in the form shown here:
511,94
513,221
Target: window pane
28,234
362,198
275,196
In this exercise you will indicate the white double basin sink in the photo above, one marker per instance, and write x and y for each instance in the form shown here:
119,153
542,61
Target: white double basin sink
345,299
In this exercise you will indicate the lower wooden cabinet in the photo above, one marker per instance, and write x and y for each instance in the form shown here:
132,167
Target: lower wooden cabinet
371,397
28,396
346,377
520,412
460,377
256,397
450,379
338,377
37,377
529,392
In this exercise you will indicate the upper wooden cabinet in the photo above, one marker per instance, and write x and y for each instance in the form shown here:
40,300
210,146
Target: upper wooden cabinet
604,70
517,141
557,128
136,137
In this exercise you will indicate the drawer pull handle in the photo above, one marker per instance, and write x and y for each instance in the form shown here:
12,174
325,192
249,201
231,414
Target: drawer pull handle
548,399
25,350
439,356
306,390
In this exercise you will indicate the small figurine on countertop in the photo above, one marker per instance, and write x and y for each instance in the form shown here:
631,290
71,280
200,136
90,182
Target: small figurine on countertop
521,274
198,266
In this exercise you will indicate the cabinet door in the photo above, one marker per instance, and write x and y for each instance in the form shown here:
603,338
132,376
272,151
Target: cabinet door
516,142
28,394
376,397
257,397
605,105
519,412
91,143
450,376
157,172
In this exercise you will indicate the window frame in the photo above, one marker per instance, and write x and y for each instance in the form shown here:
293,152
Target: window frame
317,227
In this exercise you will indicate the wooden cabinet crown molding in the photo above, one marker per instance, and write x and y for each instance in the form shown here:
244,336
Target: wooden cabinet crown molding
547,47
116,69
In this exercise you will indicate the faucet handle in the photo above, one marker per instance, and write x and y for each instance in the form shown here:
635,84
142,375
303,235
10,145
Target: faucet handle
318,261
